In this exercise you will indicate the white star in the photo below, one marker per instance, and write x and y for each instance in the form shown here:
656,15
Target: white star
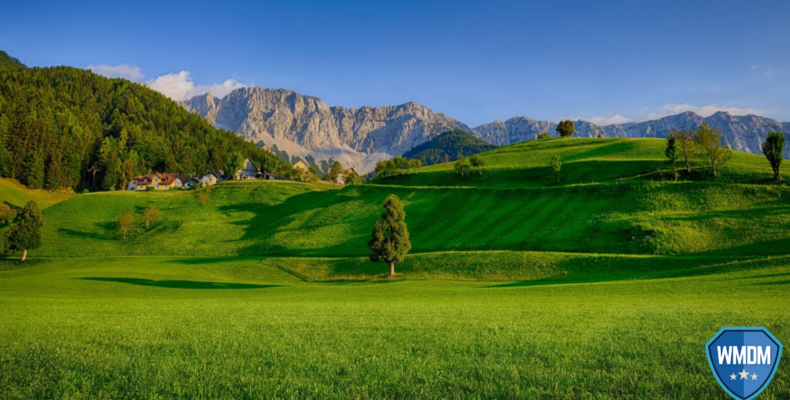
732,377
754,377
744,374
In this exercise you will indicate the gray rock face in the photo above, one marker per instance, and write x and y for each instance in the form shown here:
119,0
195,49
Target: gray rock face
304,126
206,105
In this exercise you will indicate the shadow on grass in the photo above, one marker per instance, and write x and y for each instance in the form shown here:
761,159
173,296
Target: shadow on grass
665,268
181,284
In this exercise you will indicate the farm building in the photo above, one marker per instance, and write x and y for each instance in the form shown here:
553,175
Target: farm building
208,180
250,171
188,183
268,176
155,181
302,165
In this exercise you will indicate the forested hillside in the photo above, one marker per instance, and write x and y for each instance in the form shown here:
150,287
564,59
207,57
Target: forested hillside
68,127
447,146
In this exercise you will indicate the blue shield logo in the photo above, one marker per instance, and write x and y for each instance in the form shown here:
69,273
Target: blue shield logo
744,360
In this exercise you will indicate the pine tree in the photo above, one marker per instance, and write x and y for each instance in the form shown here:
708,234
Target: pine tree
390,239
33,171
5,162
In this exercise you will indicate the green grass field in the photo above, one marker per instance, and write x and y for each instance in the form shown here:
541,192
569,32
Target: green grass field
16,195
167,328
605,286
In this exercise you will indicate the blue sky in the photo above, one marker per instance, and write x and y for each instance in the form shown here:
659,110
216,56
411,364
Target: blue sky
475,61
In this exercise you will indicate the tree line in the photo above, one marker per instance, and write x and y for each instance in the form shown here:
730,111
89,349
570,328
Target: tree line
705,145
65,127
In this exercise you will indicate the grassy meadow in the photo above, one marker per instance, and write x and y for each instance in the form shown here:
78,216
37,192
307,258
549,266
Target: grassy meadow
16,195
606,285
170,328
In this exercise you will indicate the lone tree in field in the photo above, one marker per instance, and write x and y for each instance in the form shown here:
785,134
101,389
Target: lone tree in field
672,155
566,128
709,141
125,222
462,166
390,241
686,148
772,148
151,215
556,165
25,234
478,162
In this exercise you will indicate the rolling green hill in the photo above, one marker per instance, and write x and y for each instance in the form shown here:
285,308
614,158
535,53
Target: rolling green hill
516,287
527,164
640,215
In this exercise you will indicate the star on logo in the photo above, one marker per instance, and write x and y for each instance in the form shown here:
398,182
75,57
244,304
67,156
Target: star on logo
744,374
732,377
754,377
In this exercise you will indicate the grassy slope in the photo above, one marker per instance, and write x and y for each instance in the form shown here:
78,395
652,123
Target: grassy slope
14,194
296,220
164,329
144,324
527,164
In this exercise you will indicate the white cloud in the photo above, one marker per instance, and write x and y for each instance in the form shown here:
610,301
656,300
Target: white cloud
130,72
180,86
704,111
615,119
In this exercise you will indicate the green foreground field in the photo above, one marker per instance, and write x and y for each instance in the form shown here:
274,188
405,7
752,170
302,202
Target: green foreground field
605,286
169,328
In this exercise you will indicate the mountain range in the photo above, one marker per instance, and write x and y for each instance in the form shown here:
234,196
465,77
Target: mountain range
296,126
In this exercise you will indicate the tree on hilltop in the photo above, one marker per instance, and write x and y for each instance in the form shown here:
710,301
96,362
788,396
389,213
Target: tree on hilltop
25,234
772,148
686,147
672,155
709,141
566,128
390,239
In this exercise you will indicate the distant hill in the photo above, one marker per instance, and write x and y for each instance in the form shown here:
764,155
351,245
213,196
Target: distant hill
68,127
447,146
741,132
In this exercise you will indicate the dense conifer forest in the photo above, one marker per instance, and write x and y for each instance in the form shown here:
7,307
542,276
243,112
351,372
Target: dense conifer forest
64,127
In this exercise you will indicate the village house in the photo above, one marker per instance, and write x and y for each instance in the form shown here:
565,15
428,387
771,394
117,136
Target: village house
268,176
208,180
340,179
302,165
250,171
188,183
155,181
